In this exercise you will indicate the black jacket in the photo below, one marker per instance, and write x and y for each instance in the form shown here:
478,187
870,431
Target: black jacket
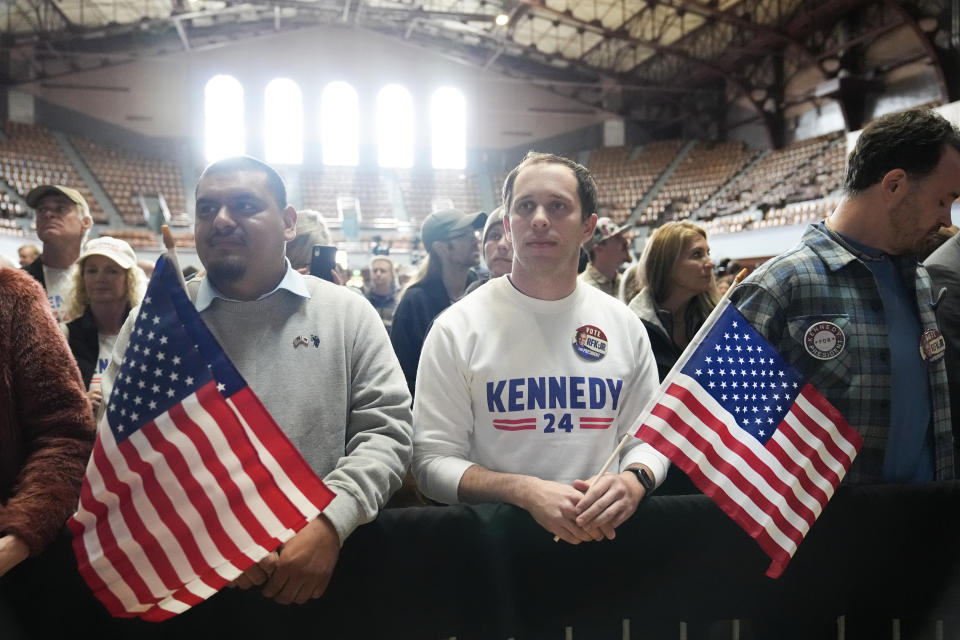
84,341
35,269
419,305
658,325
84,344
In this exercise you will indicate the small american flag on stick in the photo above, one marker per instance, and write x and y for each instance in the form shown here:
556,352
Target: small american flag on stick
191,480
752,434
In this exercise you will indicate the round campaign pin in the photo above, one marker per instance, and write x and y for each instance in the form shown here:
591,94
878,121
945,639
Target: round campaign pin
932,345
824,340
590,342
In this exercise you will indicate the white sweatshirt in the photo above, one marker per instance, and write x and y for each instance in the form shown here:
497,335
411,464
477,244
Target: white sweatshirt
503,383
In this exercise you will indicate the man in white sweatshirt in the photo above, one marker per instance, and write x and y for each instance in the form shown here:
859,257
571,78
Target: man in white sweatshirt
526,386
316,355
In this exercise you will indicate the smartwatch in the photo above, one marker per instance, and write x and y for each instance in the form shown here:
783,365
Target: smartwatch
645,480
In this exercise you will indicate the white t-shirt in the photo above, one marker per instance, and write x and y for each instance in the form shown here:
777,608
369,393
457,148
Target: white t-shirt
59,284
505,383
103,358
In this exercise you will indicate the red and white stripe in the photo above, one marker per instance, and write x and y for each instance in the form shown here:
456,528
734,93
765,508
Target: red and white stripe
595,423
520,424
775,492
184,505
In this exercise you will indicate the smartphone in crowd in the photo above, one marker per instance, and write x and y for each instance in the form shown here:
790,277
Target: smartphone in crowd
323,260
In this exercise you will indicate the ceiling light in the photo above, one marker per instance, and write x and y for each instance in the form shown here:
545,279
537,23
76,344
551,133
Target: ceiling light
502,19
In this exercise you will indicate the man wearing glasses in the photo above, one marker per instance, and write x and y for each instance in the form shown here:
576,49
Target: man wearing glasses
63,221
453,250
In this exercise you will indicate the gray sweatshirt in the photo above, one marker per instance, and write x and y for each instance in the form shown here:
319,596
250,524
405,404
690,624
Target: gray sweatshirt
324,369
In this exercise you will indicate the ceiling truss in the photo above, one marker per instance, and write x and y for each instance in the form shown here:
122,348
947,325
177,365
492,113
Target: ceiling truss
668,65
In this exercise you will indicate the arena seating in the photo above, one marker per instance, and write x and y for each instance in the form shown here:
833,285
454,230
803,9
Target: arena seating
30,156
797,213
623,177
125,176
321,187
142,239
813,167
427,191
10,228
793,185
421,191
135,238
9,208
702,172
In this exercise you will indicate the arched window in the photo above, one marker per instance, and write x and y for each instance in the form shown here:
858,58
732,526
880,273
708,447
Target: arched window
283,128
340,124
448,117
223,124
394,127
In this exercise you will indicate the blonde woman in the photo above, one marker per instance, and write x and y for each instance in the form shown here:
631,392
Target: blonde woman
107,284
678,290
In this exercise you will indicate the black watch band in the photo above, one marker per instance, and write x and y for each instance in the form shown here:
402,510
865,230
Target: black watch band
645,480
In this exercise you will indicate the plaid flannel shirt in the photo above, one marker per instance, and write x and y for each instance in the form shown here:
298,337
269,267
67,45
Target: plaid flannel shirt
819,280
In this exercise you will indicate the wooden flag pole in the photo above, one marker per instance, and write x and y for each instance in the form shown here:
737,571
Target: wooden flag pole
171,246
681,362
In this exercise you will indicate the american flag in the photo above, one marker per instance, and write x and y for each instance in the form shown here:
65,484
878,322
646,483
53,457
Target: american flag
753,435
191,481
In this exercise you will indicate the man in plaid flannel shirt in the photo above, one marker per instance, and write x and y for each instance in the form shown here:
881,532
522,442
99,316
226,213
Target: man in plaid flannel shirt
852,308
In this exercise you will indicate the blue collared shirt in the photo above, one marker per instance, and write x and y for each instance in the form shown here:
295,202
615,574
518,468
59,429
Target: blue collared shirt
292,281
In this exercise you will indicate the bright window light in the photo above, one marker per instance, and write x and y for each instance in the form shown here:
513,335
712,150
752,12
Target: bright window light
340,124
283,129
394,127
223,124
448,115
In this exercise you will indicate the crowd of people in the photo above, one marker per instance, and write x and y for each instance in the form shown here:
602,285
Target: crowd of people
513,386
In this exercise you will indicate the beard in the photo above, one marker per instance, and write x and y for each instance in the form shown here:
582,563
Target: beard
226,270
911,240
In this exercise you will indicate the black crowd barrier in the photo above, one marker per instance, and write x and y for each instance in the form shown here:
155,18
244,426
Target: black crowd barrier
489,571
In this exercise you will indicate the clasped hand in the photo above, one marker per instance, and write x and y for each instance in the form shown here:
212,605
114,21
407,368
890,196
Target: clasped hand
590,510
300,569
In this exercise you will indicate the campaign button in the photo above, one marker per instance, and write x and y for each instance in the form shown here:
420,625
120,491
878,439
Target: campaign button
824,340
590,342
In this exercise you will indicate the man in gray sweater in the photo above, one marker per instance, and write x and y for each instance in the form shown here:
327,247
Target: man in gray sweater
316,355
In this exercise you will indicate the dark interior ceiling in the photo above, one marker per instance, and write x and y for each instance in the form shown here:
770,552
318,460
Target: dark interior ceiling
662,64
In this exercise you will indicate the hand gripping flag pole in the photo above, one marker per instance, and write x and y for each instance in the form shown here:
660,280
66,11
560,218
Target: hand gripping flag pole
750,433
191,480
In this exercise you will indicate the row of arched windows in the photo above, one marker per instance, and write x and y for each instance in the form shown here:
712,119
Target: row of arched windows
339,124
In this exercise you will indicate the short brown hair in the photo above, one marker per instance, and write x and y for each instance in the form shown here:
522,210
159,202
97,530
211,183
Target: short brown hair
586,186
912,140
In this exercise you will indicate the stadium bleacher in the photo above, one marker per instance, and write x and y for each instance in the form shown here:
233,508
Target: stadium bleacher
125,176
30,156
715,184
624,176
